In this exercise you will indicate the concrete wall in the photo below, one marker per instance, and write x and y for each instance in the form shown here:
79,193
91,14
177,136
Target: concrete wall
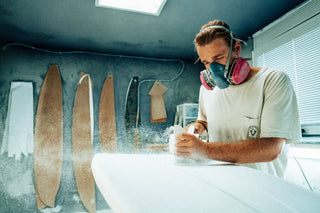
17,192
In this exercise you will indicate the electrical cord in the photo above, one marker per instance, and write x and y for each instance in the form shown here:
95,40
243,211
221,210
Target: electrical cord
85,52
110,55
152,80
163,80
303,173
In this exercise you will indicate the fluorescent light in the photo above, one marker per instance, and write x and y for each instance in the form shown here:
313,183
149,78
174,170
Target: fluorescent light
151,7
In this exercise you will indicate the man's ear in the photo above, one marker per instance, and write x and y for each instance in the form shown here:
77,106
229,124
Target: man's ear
237,48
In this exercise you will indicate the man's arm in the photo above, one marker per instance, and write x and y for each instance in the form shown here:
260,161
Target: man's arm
246,151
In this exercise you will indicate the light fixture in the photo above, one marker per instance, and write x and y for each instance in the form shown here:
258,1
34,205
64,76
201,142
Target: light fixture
150,7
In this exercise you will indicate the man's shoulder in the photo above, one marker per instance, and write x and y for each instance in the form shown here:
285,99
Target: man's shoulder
276,79
274,73
270,75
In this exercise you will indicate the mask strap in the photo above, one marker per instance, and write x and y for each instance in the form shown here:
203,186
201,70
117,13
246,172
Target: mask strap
216,27
230,52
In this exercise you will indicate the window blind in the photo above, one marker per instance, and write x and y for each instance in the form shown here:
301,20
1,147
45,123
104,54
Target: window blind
292,44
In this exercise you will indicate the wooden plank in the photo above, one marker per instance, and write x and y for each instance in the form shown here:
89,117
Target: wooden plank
82,143
48,142
158,111
107,117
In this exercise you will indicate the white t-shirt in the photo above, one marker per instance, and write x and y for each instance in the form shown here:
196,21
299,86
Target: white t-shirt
265,106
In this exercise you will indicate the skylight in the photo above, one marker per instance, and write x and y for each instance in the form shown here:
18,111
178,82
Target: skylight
150,7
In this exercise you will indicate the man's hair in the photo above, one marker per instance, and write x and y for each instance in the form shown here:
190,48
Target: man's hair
205,37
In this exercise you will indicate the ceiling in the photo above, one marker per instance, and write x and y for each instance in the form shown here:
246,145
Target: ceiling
79,25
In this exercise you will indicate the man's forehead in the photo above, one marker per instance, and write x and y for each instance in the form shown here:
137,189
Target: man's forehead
213,54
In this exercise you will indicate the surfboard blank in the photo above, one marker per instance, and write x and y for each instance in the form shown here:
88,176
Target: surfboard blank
18,137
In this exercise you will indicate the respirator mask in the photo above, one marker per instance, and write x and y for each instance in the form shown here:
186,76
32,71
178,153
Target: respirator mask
224,75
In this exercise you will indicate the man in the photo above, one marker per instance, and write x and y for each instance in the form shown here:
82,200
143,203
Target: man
250,113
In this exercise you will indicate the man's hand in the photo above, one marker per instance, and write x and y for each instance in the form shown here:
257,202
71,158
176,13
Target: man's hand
198,128
190,146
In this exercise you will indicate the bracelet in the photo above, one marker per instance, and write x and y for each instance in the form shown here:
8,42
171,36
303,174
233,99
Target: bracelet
203,124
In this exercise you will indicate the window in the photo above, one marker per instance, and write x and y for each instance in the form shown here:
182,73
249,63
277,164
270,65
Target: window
292,44
150,7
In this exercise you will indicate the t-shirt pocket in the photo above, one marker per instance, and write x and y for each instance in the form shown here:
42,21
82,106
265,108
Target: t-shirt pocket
253,126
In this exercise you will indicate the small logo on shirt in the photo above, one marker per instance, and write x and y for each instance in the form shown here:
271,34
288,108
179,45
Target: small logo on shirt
252,132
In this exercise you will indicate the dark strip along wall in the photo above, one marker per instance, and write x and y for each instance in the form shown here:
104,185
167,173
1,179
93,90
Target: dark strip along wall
17,190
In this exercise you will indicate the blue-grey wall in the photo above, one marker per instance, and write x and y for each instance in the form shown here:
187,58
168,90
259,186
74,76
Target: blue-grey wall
17,193
246,50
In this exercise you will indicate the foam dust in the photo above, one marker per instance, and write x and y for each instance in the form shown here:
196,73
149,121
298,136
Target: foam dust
76,198
51,210
100,211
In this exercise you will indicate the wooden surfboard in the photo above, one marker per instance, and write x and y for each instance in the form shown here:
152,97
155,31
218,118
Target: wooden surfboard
82,137
107,117
131,112
48,142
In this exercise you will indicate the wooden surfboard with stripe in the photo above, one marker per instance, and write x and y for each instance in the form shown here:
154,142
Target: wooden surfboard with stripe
107,117
82,138
48,142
